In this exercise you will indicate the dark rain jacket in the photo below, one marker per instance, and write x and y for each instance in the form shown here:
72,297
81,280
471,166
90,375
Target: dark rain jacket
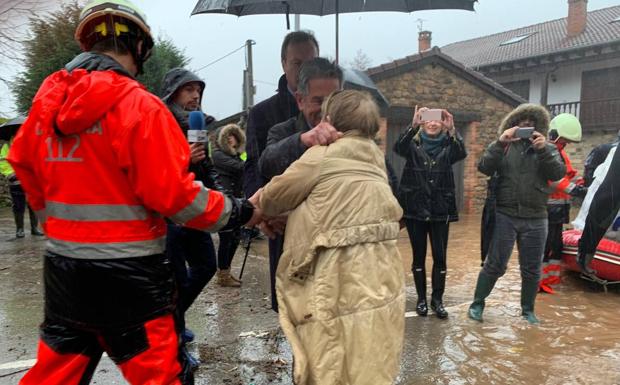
173,80
227,160
266,114
524,172
595,158
427,191
284,146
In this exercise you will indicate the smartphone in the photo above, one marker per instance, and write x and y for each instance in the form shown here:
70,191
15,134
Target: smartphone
428,115
196,136
524,132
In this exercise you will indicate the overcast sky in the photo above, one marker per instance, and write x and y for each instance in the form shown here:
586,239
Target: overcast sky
383,37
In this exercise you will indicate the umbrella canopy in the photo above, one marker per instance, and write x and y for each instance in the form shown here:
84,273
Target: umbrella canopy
9,129
359,80
324,7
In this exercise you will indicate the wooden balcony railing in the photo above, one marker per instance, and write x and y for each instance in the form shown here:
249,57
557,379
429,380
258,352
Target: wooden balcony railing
602,114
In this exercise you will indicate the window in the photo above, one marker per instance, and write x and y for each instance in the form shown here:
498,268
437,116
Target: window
521,88
517,39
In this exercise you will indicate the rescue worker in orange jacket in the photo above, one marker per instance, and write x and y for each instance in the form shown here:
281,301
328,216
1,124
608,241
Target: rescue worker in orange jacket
102,162
563,129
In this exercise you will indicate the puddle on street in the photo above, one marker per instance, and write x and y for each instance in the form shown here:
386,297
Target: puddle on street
239,343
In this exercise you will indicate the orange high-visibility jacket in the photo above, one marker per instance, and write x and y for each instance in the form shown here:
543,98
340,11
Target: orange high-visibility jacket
102,162
562,188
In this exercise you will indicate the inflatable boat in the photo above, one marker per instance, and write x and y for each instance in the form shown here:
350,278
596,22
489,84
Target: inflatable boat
606,261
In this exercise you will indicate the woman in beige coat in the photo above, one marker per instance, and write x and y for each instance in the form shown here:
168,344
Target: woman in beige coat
340,281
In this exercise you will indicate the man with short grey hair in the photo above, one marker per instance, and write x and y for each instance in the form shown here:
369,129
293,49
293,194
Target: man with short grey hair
287,141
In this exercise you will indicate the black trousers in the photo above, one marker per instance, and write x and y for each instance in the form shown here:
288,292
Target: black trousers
603,210
229,241
275,251
438,233
18,200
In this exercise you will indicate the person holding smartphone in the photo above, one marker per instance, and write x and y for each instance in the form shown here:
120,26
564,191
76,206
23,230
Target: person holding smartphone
524,163
430,145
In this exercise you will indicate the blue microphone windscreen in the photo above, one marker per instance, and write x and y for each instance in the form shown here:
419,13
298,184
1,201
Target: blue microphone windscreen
196,120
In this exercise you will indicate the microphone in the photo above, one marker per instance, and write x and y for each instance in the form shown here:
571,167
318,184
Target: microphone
196,132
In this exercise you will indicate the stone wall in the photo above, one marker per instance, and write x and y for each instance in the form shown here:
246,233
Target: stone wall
577,152
434,86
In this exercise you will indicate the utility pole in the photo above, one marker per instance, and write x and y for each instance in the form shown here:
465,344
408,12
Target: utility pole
297,22
249,90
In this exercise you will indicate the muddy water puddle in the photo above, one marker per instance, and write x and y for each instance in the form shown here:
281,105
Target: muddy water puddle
239,343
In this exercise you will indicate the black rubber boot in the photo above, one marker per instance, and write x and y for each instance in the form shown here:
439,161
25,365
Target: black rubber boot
34,224
529,289
19,224
439,285
484,286
419,278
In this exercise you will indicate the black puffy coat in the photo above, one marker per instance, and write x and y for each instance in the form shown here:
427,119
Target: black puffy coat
227,160
427,191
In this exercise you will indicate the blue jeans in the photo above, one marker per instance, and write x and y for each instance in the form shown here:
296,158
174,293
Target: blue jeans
194,247
530,235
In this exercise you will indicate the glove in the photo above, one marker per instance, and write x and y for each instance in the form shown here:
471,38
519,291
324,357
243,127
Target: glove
579,191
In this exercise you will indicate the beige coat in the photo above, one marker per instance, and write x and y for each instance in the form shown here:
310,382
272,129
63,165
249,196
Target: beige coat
340,281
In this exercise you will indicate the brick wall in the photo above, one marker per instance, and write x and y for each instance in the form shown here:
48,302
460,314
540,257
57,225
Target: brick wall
434,86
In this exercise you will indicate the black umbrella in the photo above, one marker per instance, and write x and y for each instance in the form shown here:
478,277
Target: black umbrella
324,7
9,129
359,80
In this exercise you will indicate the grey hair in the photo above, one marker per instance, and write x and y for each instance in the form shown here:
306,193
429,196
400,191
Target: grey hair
317,68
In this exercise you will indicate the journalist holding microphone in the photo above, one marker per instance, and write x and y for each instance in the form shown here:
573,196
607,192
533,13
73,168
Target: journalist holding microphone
187,247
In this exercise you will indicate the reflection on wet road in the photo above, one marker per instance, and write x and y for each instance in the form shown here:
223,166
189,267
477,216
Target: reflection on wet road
239,343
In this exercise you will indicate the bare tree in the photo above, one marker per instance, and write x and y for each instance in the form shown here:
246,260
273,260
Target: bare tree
14,22
361,61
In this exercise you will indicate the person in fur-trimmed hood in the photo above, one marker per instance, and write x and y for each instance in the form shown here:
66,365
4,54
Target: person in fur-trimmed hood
229,145
524,166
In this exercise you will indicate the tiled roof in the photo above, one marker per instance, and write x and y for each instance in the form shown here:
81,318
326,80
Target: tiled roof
435,55
547,38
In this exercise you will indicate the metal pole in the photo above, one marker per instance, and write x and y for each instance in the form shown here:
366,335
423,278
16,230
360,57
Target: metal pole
297,22
337,29
251,90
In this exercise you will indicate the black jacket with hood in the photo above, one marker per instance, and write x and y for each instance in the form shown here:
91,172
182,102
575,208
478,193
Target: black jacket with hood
227,160
523,171
173,80
427,191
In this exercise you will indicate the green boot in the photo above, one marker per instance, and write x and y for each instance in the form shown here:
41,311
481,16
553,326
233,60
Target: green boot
529,288
483,288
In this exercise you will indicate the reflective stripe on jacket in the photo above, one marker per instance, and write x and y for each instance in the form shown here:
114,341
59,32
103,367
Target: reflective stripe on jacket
563,187
102,162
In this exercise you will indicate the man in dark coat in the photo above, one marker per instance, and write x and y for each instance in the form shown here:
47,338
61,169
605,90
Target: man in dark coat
297,48
288,140
595,158
603,211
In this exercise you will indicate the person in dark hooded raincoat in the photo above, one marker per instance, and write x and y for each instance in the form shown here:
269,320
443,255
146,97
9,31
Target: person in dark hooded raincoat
182,93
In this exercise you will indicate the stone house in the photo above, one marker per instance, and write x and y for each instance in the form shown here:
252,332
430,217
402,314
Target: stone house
570,65
435,80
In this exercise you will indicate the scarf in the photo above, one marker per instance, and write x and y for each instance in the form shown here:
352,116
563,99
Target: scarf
432,146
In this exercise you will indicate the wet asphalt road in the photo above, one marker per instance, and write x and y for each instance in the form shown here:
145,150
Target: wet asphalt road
239,343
